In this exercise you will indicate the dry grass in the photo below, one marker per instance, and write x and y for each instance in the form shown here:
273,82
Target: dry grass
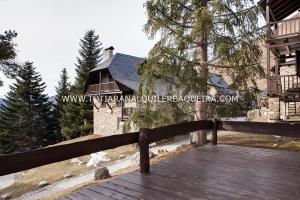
257,140
51,173
56,171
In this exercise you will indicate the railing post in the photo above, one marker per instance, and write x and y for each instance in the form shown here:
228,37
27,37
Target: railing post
214,134
144,151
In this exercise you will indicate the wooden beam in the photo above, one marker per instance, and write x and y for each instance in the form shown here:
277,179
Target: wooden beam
284,44
214,133
268,46
27,160
178,129
144,151
285,8
281,129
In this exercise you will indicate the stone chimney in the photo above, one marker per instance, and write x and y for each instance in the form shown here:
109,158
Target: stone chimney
108,53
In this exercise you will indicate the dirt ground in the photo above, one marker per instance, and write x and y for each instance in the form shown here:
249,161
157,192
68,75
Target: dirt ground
31,178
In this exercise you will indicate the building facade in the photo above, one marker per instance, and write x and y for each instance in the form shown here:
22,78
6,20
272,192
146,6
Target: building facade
282,58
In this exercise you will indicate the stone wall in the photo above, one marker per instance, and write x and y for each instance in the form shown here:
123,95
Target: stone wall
274,109
108,121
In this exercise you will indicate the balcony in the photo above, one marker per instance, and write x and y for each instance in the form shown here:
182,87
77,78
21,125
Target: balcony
286,28
284,83
127,112
103,88
285,36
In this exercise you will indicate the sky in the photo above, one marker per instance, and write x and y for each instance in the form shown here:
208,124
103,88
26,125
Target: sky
49,32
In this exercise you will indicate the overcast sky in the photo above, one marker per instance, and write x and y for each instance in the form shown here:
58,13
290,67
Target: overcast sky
49,31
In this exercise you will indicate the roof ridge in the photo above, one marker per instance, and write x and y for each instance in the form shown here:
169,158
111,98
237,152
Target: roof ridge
123,54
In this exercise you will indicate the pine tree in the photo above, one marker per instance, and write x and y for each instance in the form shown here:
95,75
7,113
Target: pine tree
198,37
78,117
62,90
25,117
7,54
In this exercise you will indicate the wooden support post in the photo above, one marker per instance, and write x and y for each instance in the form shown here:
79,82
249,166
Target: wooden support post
214,134
268,47
144,152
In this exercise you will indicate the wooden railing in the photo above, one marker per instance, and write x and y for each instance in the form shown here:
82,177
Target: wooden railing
103,87
289,82
275,85
286,27
27,160
128,111
282,83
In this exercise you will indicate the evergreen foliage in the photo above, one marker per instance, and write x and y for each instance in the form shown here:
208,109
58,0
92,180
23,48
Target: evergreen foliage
7,54
62,90
77,119
25,119
197,37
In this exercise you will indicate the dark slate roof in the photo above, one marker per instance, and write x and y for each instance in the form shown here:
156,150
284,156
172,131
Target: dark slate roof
219,83
280,8
122,68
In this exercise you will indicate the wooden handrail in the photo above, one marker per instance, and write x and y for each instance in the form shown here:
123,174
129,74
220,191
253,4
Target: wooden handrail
286,27
27,160
103,87
165,132
282,83
285,20
281,129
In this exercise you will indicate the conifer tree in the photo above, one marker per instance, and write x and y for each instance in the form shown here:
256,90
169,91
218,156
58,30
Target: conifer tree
25,117
62,91
78,117
7,54
198,37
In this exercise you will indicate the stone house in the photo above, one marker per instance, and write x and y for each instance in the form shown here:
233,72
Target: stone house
281,59
116,78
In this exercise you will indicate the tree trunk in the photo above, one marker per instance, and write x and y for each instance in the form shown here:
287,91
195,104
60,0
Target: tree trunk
199,137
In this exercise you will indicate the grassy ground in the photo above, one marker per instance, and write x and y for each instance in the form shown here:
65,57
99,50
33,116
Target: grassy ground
31,178
261,141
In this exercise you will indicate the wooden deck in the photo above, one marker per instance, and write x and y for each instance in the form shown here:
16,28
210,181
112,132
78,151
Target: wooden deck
209,172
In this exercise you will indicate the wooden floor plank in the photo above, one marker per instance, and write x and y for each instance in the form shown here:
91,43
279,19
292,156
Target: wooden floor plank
147,190
116,186
227,184
77,196
111,193
183,189
93,195
64,198
211,172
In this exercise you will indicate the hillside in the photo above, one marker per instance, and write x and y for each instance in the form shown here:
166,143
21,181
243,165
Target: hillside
51,99
1,101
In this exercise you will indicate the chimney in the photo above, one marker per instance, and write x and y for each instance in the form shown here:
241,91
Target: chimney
108,53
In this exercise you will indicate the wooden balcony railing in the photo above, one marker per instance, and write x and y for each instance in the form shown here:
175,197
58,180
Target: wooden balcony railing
282,83
103,87
275,85
286,27
289,82
128,111
27,160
